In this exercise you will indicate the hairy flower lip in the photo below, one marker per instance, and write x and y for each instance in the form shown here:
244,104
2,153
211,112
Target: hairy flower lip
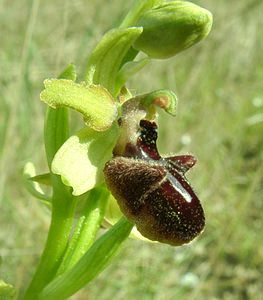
153,192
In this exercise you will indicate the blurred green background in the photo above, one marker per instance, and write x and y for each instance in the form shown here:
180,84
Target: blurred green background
219,83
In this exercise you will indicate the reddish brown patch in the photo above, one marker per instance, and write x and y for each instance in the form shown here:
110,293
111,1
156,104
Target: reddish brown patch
162,102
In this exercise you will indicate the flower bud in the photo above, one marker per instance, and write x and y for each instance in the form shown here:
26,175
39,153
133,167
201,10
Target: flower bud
172,27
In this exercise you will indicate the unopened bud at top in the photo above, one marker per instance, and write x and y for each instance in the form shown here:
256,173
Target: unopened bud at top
171,28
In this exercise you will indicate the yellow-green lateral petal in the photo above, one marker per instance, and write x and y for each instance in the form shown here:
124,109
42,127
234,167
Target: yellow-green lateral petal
93,101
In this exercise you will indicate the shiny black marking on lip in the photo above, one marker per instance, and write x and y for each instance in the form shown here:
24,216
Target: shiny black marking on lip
153,192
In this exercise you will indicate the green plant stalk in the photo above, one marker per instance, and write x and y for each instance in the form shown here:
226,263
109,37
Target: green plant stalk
90,265
61,223
86,229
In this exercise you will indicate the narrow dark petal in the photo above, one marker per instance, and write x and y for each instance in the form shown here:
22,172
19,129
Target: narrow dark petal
181,162
147,140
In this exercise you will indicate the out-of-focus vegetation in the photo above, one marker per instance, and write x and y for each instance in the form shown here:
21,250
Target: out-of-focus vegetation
220,119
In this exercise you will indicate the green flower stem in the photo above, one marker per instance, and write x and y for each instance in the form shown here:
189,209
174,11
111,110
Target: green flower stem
137,10
61,222
63,207
86,229
90,265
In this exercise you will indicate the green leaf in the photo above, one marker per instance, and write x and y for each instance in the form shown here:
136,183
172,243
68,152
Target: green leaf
90,265
81,158
42,179
93,101
33,186
7,291
105,61
86,228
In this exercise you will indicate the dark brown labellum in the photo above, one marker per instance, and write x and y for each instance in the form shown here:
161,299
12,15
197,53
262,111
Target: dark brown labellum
153,192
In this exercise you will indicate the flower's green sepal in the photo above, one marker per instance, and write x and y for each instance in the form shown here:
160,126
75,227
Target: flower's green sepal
90,265
105,61
81,158
93,101
171,28
7,291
